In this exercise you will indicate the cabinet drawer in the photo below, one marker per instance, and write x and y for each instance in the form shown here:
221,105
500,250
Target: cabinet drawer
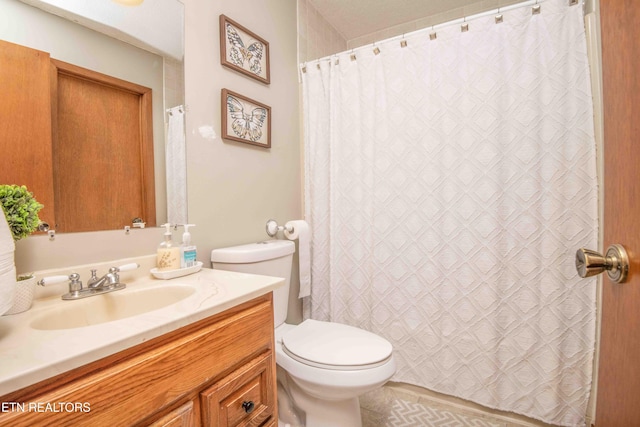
243,398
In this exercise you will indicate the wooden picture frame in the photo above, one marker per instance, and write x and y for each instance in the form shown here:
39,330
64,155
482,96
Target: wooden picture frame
245,120
244,51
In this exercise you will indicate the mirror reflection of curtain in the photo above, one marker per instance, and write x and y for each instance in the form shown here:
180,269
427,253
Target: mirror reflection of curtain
176,167
448,185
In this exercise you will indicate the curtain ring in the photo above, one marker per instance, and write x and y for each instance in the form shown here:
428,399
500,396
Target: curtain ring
535,9
433,35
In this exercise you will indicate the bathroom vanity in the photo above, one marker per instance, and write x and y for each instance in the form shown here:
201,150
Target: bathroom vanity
206,360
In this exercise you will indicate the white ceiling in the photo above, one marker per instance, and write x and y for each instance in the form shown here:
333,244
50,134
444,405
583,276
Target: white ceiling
356,18
156,26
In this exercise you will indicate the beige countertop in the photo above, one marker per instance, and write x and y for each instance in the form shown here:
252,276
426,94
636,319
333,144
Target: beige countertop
29,355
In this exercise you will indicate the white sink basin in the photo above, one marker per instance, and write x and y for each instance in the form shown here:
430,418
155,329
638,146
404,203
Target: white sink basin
109,307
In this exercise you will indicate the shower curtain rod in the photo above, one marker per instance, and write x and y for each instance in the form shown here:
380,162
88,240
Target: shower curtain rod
433,28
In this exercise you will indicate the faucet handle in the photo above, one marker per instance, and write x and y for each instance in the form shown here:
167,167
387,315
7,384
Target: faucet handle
74,281
127,267
114,277
52,280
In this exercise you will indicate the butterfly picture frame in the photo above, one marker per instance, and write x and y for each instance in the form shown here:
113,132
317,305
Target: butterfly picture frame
245,120
244,51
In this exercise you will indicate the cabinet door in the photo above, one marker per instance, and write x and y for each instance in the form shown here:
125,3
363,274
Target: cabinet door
25,123
183,416
243,398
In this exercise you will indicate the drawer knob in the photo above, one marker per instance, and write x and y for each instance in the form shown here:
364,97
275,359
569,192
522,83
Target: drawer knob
248,406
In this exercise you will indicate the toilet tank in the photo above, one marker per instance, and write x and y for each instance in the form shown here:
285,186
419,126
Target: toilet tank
268,258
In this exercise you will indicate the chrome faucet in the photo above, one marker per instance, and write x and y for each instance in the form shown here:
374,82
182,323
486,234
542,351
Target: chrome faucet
95,286
110,279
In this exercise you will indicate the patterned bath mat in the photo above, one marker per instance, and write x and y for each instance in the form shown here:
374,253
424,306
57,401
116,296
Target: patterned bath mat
414,414
393,407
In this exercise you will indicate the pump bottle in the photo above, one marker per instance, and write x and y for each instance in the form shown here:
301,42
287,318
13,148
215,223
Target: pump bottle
168,253
187,250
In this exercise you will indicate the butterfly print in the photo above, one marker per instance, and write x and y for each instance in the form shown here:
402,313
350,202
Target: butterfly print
239,54
246,125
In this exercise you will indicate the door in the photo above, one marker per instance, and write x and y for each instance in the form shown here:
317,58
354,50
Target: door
81,141
102,150
618,396
25,124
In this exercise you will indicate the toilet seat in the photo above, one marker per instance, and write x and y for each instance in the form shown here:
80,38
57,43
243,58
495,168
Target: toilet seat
335,346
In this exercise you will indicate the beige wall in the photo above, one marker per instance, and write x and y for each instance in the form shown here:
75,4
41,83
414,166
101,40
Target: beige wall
428,21
317,38
234,188
450,15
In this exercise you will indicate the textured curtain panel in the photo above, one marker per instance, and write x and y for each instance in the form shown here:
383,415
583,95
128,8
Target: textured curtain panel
176,154
448,185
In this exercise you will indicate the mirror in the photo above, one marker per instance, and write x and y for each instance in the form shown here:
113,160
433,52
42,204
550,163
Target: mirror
153,62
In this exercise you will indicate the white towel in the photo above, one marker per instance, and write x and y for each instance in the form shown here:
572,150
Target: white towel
300,231
176,168
7,266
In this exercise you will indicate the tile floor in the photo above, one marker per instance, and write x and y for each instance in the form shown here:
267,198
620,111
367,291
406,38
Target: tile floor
395,406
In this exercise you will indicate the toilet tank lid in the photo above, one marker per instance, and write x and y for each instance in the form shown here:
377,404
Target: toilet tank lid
253,252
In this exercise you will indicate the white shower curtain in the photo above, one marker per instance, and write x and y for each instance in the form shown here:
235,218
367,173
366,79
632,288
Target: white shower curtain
176,160
449,183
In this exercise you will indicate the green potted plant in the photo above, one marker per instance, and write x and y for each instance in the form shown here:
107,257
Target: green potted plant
21,212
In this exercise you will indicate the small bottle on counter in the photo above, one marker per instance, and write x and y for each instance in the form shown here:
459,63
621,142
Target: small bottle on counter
168,253
187,250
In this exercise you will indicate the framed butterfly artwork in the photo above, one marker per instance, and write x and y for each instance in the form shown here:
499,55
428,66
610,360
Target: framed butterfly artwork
243,51
245,120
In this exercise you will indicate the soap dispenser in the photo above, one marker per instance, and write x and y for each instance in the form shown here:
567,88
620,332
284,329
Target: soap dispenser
187,250
168,253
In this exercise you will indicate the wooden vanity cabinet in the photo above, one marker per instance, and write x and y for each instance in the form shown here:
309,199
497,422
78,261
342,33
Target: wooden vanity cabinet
219,371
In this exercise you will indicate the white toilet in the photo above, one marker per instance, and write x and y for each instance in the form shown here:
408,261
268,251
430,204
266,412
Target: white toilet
327,365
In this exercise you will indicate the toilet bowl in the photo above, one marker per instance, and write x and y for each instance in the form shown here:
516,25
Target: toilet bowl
323,367
328,366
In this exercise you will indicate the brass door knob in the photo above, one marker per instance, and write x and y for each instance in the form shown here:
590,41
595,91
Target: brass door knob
615,262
